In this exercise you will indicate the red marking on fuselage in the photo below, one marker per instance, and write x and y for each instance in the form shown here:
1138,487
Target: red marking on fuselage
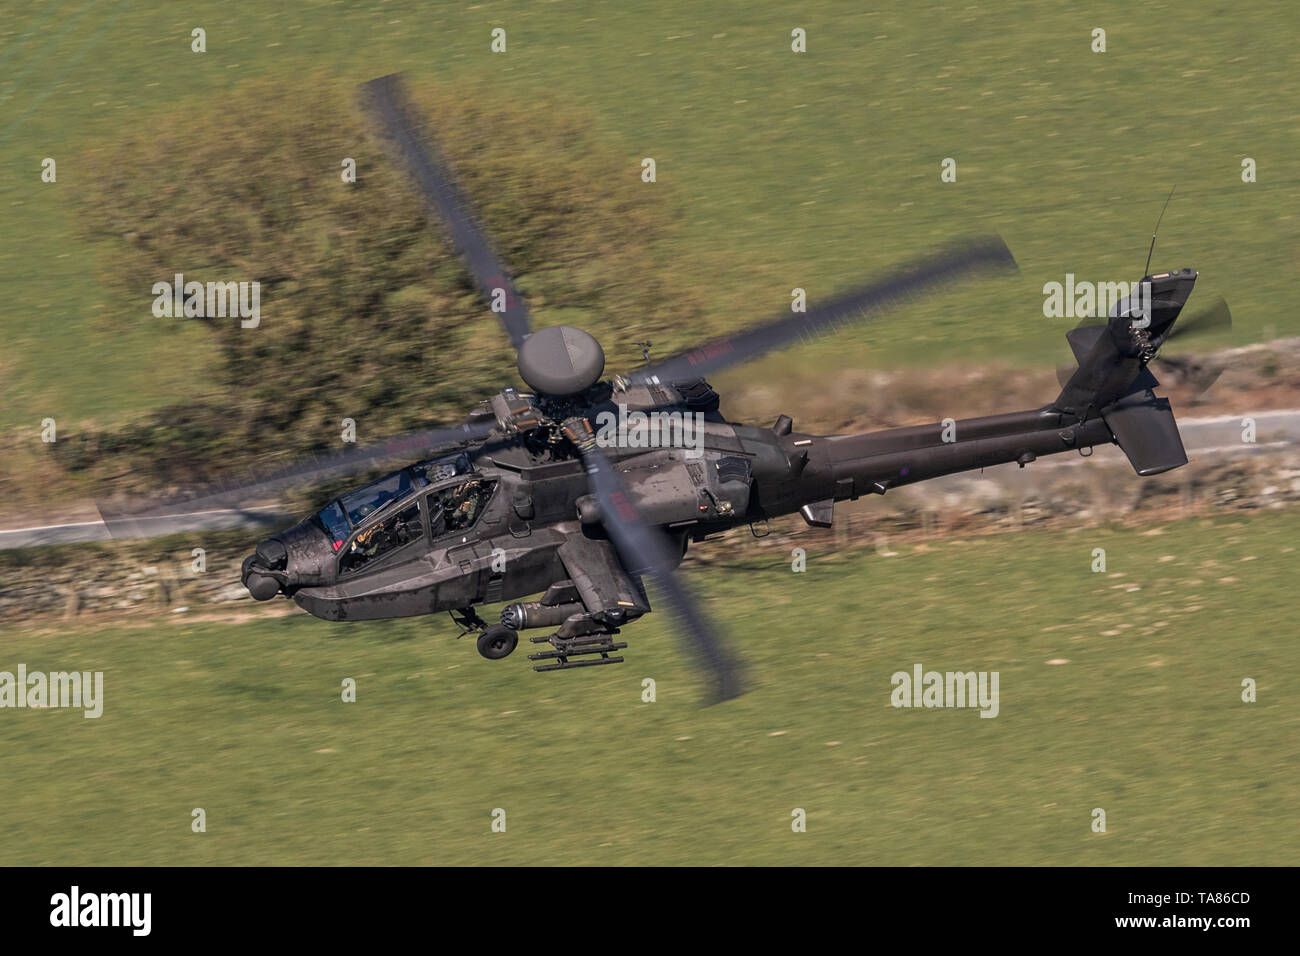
623,506
710,351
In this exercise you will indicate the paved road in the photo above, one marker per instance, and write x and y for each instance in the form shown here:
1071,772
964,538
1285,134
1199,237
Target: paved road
75,531
1203,438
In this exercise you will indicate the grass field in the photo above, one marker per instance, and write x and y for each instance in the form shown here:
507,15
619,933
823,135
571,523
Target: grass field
813,170
816,170
1119,690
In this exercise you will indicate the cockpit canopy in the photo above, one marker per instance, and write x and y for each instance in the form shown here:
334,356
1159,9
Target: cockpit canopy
340,516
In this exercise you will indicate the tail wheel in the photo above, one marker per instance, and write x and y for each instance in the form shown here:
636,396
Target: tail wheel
497,642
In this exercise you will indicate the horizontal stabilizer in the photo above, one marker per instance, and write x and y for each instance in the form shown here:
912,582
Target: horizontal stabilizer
1144,427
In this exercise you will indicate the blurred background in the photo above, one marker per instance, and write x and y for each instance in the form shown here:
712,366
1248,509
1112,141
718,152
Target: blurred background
775,170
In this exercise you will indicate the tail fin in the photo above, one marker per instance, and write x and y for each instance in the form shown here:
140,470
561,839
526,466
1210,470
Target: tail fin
1112,379
1111,354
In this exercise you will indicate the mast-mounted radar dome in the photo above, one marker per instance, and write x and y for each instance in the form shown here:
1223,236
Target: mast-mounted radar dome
560,360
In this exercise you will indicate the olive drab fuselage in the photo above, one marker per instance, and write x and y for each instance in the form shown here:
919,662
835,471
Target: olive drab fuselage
496,521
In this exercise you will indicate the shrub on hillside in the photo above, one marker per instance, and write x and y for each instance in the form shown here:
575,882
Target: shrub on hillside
366,313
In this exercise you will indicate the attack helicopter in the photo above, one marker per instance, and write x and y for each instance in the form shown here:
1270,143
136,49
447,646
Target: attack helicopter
529,502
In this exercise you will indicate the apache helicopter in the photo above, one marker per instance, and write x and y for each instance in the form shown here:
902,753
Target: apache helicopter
524,499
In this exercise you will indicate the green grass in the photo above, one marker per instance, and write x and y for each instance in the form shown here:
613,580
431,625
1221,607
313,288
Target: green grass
1145,720
813,170
816,171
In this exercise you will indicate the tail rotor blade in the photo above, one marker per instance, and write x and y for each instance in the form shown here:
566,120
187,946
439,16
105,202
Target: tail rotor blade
432,175
1198,376
1213,318
1210,320
1206,377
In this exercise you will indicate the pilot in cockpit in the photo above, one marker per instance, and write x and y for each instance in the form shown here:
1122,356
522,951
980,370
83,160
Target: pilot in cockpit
463,505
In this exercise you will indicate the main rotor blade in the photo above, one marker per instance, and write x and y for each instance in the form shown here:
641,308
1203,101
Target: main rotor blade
433,176
643,548
237,495
982,255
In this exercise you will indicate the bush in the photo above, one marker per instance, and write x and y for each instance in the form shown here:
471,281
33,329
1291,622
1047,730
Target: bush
366,313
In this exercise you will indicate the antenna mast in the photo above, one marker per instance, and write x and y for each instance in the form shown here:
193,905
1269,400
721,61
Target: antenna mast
1147,268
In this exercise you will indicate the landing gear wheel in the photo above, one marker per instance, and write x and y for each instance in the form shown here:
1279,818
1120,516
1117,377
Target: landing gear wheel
497,642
